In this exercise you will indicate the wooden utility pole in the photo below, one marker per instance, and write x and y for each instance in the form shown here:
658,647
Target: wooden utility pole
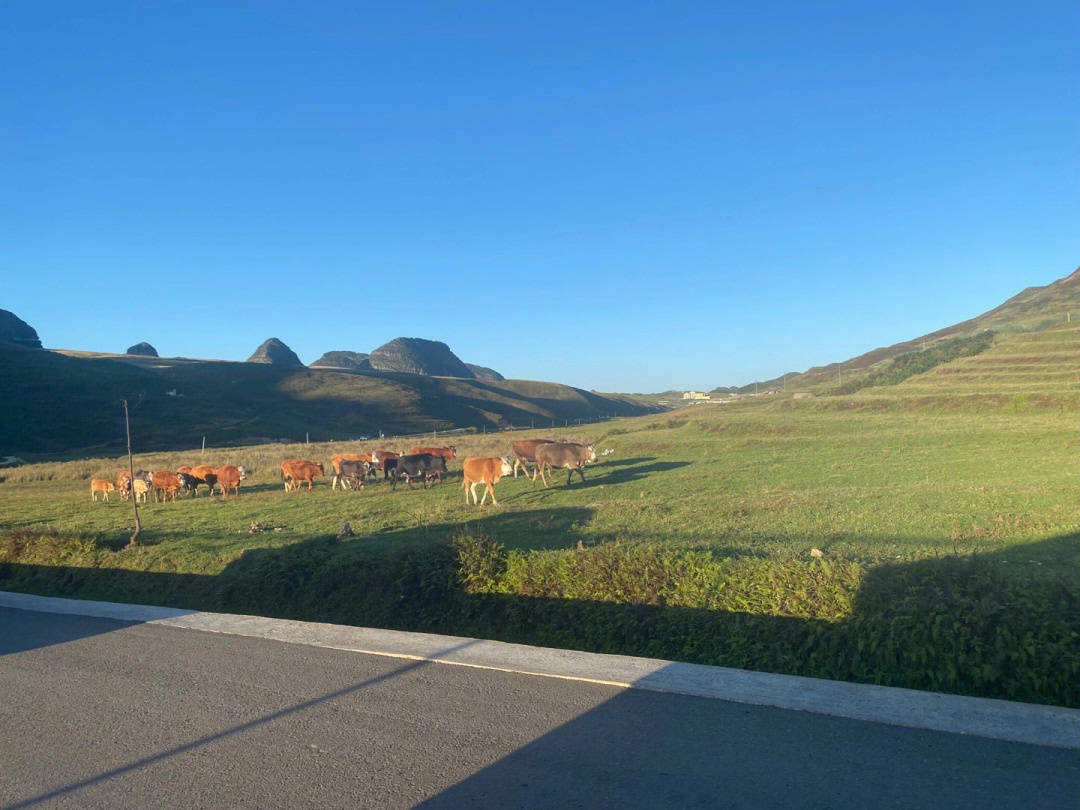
131,471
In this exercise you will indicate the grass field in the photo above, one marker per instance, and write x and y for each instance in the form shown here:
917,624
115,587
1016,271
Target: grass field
950,540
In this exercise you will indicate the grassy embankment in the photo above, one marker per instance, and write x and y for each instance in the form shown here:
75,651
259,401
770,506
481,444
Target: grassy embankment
951,540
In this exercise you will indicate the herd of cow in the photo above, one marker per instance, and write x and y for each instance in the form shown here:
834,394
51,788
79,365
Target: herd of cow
351,471
166,484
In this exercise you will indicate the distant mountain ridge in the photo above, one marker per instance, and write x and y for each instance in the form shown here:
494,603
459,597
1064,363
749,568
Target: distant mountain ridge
356,361
485,373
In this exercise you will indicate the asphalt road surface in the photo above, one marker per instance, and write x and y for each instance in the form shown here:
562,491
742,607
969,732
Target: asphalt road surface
102,713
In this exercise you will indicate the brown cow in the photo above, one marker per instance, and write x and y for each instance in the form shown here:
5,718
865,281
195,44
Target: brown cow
229,477
564,456
448,453
486,471
335,462
166,483
293,471
203,474
525,450
123,484
104,487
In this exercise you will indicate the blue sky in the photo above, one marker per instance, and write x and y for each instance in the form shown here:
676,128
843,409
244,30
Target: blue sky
624,196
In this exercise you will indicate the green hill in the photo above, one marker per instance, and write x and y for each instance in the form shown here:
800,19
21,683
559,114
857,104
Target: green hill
1032,310
61,404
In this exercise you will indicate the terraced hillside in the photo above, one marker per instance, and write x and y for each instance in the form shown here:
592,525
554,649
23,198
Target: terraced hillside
1046,362
1031,310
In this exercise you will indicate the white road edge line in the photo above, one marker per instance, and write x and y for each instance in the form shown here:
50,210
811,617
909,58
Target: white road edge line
954,714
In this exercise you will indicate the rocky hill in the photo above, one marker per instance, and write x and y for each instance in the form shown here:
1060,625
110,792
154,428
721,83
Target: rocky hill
275,352
485,373
354,361
419,356
14,329
143,349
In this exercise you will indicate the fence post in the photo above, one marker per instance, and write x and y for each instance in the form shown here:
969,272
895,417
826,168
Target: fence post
131,472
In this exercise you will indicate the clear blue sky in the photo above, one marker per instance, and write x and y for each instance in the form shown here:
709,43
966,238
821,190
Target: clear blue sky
624,196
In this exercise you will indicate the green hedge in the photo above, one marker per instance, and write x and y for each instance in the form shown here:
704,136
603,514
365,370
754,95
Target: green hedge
951,624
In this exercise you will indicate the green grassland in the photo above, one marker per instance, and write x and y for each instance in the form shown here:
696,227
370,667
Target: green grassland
950,539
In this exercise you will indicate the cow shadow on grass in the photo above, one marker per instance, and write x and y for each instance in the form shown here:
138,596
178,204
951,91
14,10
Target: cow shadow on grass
635,471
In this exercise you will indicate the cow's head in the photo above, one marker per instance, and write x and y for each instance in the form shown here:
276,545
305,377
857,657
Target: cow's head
374,456
243,473
453,453
185,480
322,469
590,453
507,469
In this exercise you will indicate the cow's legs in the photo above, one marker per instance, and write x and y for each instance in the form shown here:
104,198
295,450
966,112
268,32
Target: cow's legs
540,472
491,489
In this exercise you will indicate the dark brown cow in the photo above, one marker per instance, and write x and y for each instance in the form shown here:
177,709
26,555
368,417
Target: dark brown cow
448,453
166,483
352,473
564,456
293,471
379,459
229,477
525,450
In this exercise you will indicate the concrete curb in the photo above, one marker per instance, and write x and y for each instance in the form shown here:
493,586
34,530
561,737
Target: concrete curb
982,717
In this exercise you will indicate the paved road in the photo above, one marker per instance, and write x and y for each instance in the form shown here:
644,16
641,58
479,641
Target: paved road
101,713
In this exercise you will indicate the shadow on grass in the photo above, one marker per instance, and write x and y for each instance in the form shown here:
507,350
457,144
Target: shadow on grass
985,626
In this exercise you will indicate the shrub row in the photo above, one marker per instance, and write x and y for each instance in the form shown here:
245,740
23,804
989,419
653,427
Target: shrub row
951,624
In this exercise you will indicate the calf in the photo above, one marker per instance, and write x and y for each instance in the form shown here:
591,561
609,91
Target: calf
167,483
564,456
424,464
229,477
525,450
486,471
140,486
352,472
104,487
123,481
337,458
